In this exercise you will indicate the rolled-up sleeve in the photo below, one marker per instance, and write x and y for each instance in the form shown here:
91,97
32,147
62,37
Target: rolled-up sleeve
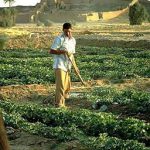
56,44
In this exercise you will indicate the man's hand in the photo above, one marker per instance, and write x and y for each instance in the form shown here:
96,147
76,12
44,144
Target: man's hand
68,53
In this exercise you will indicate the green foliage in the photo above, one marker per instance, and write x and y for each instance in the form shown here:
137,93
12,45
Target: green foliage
13,12
67,133
113,64
9,1
94,130
136,101
104,142
137,14
3,40
7,17
90,123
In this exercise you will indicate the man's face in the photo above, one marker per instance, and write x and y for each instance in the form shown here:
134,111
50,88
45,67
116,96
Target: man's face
67,32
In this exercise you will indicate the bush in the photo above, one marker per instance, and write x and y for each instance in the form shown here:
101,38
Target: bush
6,23
3,40
137,14
13,12
7,17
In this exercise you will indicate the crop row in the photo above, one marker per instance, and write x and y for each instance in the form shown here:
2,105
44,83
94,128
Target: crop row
137,101
29,66
103,141
90,123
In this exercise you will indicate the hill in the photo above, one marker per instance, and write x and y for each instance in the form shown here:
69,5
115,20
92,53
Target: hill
79,10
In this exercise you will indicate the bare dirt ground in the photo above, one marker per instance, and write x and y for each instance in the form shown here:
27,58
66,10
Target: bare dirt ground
25,141
116,32
24,93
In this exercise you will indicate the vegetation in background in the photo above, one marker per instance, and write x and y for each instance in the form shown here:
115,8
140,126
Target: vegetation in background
8,16
29,66
9,1
3,40
137,14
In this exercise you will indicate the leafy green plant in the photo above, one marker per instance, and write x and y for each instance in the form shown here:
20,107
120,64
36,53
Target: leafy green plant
67,133
90,123
3,40
137,14
8,16
135,100
112,64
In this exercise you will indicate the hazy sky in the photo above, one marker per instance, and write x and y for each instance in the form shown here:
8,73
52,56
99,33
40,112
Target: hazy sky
20,2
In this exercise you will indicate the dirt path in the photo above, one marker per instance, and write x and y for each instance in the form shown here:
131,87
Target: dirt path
25,141
38,91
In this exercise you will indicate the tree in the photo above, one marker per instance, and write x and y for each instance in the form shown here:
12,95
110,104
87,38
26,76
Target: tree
8,16
13,13
137,14
9,1
6,20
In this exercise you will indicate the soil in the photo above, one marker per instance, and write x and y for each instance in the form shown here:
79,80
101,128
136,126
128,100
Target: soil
25,141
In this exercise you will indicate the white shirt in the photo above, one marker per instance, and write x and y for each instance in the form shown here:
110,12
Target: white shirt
62,42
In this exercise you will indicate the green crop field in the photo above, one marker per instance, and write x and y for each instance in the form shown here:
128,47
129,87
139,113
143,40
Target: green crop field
112,112
28,66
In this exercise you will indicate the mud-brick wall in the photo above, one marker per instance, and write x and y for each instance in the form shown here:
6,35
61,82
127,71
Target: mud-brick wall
113,14
92,17
62,16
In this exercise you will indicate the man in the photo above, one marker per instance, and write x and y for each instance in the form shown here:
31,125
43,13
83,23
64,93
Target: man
62,47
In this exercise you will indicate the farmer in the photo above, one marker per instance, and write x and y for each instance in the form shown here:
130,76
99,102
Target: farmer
62,47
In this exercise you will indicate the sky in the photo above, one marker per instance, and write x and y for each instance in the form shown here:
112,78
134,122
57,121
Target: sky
20,2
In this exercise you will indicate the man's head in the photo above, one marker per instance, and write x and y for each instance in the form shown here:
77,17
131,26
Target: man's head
67,29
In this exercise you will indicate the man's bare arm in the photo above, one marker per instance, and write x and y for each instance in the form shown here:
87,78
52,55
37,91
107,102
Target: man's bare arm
57,52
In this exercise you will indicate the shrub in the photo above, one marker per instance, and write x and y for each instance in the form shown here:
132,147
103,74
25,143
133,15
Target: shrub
7,17
3,40
137,14
13,13
6,23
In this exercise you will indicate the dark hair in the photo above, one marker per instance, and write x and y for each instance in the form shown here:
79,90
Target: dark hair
67,25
